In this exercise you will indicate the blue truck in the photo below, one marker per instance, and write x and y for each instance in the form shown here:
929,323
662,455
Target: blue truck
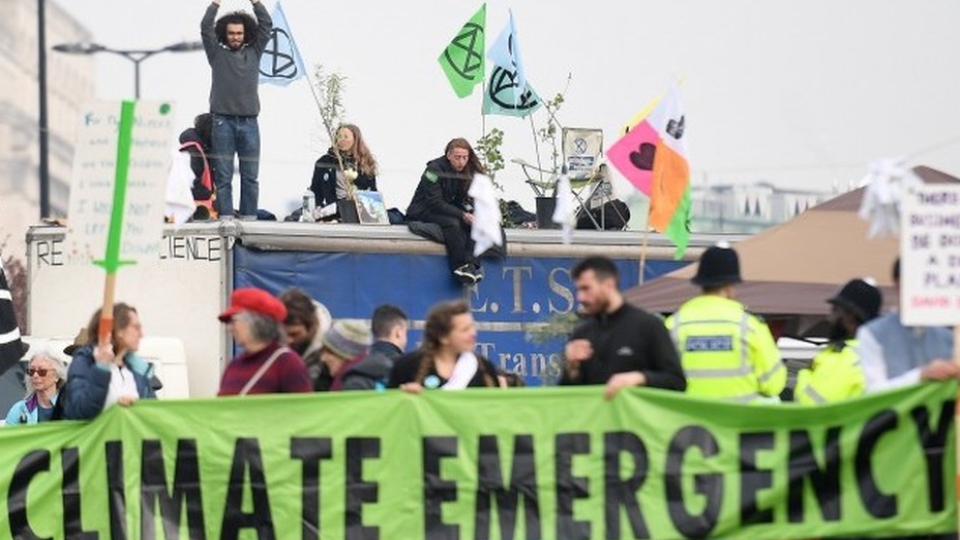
351,269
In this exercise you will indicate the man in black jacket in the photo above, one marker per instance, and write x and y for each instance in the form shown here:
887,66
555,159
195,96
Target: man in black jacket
617,344
441,198
389,325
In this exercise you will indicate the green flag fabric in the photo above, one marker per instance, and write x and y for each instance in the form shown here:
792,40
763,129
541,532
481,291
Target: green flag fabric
488,463
678,231
500,98
463,59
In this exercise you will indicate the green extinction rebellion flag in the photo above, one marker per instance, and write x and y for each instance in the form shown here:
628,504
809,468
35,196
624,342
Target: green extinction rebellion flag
463,61
550,464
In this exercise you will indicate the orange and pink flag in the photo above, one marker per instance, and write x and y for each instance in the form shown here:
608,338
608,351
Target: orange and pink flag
652,155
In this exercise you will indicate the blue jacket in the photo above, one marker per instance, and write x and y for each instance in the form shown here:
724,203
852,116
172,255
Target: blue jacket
25,411
87,384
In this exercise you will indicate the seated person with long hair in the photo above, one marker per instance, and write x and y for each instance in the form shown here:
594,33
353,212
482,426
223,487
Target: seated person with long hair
348,162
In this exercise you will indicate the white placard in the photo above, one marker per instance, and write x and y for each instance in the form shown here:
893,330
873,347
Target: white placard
930,256
93,182
582,149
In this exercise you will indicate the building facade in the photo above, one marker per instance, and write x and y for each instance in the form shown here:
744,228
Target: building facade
737,208
70,84
749,208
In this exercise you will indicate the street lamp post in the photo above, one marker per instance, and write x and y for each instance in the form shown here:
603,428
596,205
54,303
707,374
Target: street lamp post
44,123
134,55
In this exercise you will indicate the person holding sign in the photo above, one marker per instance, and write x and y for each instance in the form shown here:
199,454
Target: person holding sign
234,45
346,165
894,355
617,344
446,359
110,372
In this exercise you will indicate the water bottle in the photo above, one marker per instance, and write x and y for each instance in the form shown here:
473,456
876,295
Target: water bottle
307,208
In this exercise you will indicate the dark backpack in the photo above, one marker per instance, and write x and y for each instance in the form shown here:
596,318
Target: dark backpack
612,216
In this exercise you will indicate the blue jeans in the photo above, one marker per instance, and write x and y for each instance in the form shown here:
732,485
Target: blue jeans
238,135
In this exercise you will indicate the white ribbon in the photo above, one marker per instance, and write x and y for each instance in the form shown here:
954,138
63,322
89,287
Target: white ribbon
463,372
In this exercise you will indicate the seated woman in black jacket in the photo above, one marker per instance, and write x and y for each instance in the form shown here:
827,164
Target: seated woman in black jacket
442,198
348,162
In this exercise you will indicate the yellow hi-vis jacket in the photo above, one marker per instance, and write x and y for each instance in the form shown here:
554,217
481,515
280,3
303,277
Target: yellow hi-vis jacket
725,351
834,375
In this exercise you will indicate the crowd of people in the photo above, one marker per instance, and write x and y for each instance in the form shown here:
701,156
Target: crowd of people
711,347
234,43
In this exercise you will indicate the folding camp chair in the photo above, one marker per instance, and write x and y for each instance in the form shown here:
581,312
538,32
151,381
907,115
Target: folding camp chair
583,164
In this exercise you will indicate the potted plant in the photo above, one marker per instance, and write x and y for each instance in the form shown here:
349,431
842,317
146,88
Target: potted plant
488,150
545,187
329,96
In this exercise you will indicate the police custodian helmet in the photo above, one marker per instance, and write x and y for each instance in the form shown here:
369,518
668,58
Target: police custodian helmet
861,298
719,265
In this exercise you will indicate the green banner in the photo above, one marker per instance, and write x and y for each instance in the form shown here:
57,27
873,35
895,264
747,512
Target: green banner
462,61
550,464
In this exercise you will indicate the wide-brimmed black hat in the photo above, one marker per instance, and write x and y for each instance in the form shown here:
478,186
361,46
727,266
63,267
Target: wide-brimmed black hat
79,341
860,298
719,265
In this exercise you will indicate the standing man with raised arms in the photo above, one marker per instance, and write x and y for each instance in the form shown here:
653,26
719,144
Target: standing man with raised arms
234,44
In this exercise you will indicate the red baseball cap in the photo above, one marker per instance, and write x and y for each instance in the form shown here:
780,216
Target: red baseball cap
257,301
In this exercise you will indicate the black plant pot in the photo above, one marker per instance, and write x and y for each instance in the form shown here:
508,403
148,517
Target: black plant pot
545,209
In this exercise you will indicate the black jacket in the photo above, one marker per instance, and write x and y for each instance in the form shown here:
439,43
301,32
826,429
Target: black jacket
199,162
386,349
442,192
324,182
629,339
367,374
406,367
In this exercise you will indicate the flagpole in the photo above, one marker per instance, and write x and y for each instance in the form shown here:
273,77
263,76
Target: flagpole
483,116
643,252
536,147
111,259
956,412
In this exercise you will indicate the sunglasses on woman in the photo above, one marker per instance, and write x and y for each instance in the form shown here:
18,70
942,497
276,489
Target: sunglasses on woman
38,371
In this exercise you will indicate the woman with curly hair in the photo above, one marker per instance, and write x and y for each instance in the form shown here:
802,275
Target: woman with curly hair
347,161
445,359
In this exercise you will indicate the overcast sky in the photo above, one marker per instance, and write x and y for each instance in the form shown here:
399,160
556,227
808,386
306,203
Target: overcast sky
801,93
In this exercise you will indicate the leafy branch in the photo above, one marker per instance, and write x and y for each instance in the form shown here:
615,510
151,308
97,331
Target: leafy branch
488,150
549,134
556,326
328,93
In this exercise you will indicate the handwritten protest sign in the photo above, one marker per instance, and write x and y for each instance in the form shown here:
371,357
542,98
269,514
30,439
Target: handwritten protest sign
125,162
930,264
